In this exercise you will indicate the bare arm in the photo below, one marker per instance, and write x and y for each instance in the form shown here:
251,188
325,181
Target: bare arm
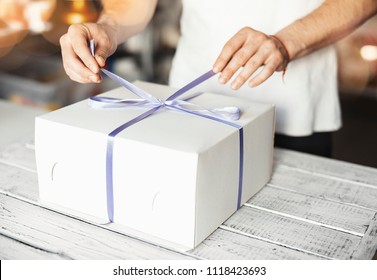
252,49
126,17
120,20
328,23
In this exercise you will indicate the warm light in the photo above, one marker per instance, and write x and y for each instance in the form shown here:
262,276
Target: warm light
77,11
369,52
9,37
38,13
78,5
75,18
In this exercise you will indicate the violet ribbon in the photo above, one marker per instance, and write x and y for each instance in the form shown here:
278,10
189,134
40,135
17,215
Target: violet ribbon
222,115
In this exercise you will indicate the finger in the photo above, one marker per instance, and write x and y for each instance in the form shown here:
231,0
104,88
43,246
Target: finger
81,74
249,69
92,78
238,61
102,51
262,76
101,60
78,36
232,46
74,67
272,63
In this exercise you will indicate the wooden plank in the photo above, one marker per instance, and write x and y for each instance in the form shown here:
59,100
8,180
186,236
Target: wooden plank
368,244
11,249
225,244
351,193
20,153
71,238
292,233
327,167
339,216
18,182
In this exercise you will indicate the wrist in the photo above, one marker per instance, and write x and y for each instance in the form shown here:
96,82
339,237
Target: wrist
284,51
111,27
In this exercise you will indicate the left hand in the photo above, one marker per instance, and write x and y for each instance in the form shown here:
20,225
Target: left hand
250,49
78,62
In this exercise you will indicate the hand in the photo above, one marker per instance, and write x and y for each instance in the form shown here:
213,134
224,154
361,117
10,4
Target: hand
78,62
250,49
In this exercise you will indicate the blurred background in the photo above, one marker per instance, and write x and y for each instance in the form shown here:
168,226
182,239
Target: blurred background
31,71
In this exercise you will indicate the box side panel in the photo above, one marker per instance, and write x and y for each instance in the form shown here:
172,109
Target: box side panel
71,164
154,190
218,173
258,153
217,186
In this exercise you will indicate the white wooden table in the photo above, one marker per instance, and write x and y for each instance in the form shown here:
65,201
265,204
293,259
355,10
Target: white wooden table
313,208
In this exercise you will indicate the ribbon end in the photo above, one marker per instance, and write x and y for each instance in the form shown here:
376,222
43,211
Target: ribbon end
230,113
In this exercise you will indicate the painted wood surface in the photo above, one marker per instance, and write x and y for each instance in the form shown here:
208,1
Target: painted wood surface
347,192
11,249
313,208
65,237
293,233
226,243
323,212
342,171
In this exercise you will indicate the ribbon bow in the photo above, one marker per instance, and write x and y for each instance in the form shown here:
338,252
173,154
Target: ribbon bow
148,100
224,115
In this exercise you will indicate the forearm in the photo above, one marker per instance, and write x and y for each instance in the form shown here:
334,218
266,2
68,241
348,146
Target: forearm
126,18
328,23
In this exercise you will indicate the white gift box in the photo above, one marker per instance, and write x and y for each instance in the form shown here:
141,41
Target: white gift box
175,175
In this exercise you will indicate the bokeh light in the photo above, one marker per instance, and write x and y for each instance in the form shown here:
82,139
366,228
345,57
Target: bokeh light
78,11
19,18
369,52
69,12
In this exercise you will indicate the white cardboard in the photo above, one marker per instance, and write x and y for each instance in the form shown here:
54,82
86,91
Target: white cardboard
175,174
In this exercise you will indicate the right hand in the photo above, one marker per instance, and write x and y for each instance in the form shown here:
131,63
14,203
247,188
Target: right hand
78,62
250,49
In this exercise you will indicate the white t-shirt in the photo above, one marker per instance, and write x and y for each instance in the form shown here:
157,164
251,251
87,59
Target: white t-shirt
307,100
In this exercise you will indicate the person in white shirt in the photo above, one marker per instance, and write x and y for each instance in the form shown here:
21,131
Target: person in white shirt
249,43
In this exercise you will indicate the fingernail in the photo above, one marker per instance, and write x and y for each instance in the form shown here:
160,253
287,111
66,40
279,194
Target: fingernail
222,80
215,69
251,84
93,79
234,85
94,68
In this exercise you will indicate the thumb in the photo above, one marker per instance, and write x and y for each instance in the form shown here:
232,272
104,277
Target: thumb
99,53
101,60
